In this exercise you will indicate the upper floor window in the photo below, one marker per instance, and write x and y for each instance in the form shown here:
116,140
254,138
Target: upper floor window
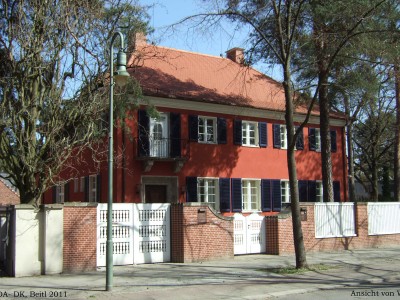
285,191
283,133
249,133
251,195
207,130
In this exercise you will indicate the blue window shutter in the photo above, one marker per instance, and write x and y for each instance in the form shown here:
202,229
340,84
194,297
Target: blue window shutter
333,141
336,191
300,140
193,128
54,193
303,191
175,134
312,191
276,195
237,132
266,203
277,135
311,138
221,130
262,132
191,189
98,186
143,134
236,194
86,188
224,194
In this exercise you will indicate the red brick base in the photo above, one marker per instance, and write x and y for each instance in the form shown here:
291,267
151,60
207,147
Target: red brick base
280,234
198,234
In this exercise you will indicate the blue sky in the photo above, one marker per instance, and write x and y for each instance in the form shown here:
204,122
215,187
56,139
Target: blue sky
208,40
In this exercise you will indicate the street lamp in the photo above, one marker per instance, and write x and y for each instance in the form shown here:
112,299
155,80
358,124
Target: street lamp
120,76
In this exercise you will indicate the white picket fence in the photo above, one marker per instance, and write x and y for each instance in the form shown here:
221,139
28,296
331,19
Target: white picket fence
334,220
383,218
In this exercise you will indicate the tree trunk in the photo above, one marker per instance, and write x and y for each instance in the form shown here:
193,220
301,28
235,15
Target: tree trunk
397,135
325,136
350,156
298,239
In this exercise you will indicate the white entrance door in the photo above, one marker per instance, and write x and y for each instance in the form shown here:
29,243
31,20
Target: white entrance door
152,233
159,145
249,234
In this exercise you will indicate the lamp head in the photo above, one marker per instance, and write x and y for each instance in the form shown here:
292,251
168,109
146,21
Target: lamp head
121,76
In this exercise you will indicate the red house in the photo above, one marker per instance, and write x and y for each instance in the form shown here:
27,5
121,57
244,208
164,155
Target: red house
219,138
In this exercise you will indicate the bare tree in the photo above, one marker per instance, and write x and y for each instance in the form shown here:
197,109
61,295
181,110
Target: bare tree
53,63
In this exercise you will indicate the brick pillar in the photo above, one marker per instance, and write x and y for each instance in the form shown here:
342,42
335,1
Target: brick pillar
177,251
272,235
80,237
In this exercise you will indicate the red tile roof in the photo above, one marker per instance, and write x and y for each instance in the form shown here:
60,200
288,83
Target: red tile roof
7,195
171,73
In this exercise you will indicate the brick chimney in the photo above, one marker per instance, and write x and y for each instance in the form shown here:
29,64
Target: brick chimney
140,39
236,55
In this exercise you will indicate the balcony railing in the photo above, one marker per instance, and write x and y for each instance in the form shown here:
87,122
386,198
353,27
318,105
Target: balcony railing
162,149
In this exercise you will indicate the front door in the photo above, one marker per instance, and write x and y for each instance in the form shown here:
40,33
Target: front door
159,145
155,193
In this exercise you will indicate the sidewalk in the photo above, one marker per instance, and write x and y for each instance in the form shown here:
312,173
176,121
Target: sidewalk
245,277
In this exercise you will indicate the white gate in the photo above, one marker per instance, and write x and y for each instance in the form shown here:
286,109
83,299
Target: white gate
249,234
141,233
152,233
122,231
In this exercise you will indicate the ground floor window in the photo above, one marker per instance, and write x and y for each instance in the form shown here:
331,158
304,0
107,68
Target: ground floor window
251,195
207,191
285,191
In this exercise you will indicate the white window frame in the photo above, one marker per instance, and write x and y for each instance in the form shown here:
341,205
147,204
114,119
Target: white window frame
250,185
285,191
319,193
92,188
206,196
246,131
60,193
76,185
283,134
317,139
202,130
82,185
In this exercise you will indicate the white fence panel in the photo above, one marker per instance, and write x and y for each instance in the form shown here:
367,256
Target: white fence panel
383,218
334,220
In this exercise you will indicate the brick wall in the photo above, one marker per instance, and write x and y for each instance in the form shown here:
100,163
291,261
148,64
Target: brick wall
280,234
199,234
80,238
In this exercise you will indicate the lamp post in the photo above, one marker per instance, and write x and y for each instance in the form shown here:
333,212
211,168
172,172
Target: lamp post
120,77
